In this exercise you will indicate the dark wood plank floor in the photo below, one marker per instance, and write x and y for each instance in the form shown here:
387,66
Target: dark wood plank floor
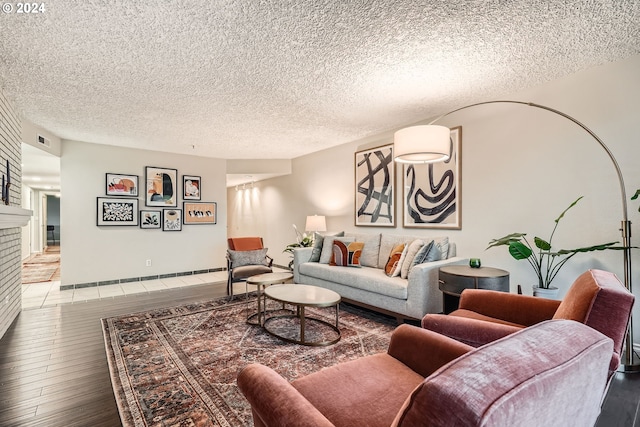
53,366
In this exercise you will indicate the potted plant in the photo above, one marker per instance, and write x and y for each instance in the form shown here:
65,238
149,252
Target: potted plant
302,241
546,263
635,196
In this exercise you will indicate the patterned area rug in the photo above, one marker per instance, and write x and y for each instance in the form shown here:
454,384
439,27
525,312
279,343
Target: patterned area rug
36,273
43,259
178,366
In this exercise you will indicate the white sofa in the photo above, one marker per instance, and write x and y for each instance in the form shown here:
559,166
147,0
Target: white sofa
370,287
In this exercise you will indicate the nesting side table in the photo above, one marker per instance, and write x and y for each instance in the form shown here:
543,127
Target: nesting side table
454,279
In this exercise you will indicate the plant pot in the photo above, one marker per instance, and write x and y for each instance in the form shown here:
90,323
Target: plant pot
549,293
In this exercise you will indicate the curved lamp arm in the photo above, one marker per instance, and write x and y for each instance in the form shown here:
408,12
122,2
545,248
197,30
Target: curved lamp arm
566,116
628,362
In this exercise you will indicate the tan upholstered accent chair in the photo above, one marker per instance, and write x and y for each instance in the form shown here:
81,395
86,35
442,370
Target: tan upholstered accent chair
241,265
551,374
597,298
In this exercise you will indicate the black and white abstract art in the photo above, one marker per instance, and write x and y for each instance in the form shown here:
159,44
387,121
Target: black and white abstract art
431,192
117,211
375,187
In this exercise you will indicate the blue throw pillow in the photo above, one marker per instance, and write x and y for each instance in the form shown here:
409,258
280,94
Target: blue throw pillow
428,253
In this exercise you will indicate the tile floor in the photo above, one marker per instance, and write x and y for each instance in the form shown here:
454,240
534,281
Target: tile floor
38,295
46,294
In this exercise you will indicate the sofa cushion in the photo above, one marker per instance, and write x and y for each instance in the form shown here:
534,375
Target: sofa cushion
366,278
346,254
412,250
371,248
393,260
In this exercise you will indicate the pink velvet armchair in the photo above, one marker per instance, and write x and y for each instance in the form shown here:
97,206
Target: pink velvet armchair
551,374
597,298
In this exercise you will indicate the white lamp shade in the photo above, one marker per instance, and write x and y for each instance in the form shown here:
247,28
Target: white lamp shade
422,144
316,223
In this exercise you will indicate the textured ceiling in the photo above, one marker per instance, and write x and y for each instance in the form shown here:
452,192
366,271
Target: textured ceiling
250,79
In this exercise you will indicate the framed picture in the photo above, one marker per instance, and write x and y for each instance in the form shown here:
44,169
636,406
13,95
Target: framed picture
190,187
375,177
431,192
117,211
121,185
161,188
150,219
199,213
172,220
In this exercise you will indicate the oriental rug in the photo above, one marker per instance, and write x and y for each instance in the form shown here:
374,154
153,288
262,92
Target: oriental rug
178,366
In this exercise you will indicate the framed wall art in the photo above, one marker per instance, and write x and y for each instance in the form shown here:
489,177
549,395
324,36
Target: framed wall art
150,219
375,187
431,192
199,213
161,187
191,187
117,211
172,220
121,185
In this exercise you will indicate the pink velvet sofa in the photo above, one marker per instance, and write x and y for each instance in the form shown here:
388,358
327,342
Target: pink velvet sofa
551,374
597,298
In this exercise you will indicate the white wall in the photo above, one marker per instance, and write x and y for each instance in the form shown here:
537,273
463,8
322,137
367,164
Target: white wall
521,167
90,253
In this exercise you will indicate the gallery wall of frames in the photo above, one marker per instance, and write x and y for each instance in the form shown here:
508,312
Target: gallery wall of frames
161,191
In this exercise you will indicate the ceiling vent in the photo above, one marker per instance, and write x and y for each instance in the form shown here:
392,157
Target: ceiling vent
44,141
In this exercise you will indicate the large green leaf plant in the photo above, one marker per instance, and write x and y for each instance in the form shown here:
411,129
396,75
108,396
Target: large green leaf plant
545,262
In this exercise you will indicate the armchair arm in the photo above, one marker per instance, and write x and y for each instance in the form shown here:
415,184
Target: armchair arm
275,401
424,351
268,260
519,309
467,330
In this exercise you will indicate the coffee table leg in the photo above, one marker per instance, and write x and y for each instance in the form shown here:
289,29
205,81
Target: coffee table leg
337,315
301,310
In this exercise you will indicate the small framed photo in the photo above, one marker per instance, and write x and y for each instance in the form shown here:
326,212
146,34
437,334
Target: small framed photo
172,220
121,185
191,187
200,212
117,211
161,187
150,219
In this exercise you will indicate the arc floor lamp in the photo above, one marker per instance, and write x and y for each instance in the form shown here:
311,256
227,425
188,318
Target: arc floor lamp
430,144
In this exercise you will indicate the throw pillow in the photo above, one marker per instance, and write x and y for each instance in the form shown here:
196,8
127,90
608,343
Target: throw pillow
413,249
240,258
327,248
346,254
317,247
443,245
394,257
428,253
396,272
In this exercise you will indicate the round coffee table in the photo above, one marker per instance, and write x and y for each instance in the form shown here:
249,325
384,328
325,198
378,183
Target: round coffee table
261,281
302,296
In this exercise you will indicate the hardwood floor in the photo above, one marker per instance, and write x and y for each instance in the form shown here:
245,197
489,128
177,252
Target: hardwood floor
53,366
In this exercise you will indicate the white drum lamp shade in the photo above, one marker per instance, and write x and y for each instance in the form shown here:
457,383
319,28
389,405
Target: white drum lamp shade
422,144
316,223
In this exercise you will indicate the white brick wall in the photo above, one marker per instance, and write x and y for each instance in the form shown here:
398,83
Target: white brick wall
10,239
